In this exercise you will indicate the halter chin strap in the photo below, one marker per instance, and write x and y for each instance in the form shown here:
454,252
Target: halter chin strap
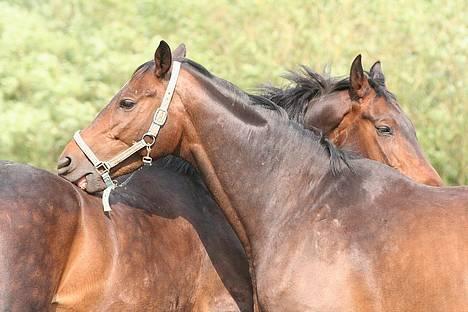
147,141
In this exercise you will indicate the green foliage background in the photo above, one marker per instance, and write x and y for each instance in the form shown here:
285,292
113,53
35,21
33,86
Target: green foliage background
61,61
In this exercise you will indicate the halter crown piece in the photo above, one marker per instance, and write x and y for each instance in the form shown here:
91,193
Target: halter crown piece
147,141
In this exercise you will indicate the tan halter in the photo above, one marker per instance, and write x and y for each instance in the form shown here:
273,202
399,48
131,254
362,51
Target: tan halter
147,141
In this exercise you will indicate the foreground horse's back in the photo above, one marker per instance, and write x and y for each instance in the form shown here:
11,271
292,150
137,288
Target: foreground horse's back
401,246
382,243
34,243
425,255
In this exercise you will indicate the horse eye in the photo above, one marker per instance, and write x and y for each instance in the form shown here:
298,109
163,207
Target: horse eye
384,130
127,104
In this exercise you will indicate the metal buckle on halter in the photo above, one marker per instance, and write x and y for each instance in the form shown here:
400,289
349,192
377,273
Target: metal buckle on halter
160,117
103,167
147,161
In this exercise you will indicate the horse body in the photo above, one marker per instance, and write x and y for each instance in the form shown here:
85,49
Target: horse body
156,252
368,239
364,239
404,249
114,266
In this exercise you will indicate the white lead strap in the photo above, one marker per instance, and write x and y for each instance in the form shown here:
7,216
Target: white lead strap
159,119
105,199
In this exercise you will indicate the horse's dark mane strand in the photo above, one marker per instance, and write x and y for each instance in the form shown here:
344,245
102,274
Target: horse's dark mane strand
306,86
144,67
254,99
171,162
177,164
338,158
200,68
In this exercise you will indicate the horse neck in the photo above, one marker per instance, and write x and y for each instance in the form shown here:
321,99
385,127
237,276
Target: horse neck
254,162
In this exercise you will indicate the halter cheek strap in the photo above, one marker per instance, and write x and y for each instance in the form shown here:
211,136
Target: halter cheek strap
147,141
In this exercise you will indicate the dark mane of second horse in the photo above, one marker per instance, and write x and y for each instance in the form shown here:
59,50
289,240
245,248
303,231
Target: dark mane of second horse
306,85
278,100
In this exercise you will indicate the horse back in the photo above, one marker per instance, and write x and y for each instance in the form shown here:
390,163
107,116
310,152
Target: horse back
37,226
373,241
405,244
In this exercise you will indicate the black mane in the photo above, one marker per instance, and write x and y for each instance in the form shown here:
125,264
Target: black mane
254,99
143,67
306,86
177,164
291,100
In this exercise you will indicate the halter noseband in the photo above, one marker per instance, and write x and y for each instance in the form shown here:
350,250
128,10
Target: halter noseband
147,141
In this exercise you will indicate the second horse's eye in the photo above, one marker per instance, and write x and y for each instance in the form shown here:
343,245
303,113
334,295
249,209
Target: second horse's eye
127,104
384,130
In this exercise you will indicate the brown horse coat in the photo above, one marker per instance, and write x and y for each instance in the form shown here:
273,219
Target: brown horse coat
157,252
366,239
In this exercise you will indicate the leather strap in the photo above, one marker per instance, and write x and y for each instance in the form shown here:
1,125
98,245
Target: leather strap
159,119
85,149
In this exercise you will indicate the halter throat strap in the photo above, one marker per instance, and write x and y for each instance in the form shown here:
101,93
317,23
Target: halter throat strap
147,141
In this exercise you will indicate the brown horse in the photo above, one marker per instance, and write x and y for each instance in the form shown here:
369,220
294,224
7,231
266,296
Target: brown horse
167,246
365,239
221,293
376,128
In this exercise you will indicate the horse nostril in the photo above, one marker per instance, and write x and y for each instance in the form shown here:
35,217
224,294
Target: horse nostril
63,165
64,162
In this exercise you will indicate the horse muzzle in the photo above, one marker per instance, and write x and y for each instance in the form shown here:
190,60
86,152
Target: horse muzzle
84,176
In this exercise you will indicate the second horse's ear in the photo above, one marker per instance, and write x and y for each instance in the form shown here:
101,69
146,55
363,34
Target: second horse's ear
377,74
162,59
180,51
358,80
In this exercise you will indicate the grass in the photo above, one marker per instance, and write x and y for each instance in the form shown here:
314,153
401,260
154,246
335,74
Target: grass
61,62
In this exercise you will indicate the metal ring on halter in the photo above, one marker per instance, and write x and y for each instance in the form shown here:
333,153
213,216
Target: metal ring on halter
149,135
103,167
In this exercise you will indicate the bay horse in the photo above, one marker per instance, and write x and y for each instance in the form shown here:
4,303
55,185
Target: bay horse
221,299
354,237
375,128
166,247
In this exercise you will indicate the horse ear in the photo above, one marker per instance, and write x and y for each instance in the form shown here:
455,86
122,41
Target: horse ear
326,115
180,51
358,80
162,59
377,74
